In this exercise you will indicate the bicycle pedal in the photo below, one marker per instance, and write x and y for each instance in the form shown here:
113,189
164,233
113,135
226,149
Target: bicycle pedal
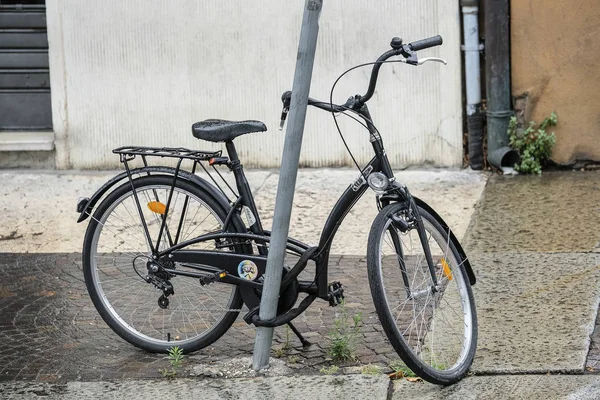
208,279
335,293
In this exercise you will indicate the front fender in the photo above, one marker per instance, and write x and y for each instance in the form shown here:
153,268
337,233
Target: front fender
86,206
457,245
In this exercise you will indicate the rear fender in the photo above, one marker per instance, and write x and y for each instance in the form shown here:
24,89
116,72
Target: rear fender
86,206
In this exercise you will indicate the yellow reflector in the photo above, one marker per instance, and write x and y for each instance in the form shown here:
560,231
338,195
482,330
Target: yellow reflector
157,207
446,269
223,274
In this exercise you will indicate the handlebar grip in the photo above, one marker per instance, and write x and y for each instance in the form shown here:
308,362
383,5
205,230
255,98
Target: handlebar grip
426,43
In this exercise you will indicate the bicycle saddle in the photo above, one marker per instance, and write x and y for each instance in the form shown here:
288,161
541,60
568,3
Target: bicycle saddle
218,130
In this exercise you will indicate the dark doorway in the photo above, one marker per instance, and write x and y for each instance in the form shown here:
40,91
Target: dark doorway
24,74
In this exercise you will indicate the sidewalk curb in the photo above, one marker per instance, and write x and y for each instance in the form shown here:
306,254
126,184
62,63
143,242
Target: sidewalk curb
272,388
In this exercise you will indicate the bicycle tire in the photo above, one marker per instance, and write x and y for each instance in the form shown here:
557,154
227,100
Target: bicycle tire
423,325
115,252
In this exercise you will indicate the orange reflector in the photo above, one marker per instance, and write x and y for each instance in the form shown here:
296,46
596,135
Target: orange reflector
211,161
157,207
446,269
223,274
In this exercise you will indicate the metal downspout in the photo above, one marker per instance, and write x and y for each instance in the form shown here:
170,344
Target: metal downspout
471,48
497,70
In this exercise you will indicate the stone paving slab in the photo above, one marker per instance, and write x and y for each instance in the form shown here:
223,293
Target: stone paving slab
267,388
526,387
536,310
554,212
533,244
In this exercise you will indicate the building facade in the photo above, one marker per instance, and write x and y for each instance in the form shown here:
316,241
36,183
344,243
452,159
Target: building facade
141,72
555,57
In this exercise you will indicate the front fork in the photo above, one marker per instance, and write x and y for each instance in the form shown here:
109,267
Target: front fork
425,243
412,217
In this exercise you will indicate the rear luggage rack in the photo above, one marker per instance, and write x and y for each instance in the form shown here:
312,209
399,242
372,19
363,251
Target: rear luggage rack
129,152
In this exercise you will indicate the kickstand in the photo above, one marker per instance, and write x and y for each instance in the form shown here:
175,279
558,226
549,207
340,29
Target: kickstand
305,343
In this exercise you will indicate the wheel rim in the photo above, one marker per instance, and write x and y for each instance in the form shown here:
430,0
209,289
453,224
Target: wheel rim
435,327
119,244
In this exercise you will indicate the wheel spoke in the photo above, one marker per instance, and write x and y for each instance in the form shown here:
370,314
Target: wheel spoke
129,301
433,324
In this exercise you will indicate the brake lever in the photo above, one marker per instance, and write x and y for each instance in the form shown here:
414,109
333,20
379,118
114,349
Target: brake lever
436,59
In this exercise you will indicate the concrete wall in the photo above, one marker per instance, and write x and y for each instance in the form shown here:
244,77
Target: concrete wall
141,72
555,48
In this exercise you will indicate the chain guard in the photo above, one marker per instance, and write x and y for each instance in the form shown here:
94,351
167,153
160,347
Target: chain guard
287,299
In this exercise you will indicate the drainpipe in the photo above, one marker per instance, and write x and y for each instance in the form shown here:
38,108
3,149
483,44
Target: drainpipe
471,48
497,71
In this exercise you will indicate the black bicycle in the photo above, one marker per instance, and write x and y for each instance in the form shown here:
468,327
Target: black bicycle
157,226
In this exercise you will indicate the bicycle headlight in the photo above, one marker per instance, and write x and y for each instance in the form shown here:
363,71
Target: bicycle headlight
378,182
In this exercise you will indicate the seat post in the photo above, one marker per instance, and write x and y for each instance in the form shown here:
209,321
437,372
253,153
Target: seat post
243,186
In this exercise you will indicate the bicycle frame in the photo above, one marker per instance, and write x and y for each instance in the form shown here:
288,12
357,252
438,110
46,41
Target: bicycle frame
227,261
224,264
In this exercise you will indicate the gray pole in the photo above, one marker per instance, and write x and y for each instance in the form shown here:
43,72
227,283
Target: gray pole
287,180
497,71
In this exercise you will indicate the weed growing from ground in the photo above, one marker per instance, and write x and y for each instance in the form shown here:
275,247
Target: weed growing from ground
175,358
370,369
401,370
332,369
287,345
344,335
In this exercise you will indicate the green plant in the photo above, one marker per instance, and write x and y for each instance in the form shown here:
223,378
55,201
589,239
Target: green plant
332,369
175,358
280,352
344,335
533,144
370,369
401,370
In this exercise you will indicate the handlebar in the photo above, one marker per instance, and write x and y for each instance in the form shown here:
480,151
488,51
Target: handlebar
323,105
406,50
398,48
426,43
286,98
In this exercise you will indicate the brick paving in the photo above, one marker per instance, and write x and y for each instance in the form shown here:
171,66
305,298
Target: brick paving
50,330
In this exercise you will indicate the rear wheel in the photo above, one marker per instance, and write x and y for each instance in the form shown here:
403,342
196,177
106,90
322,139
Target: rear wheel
116,253
433,328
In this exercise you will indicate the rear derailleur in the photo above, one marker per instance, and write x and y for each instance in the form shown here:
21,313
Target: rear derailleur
160,279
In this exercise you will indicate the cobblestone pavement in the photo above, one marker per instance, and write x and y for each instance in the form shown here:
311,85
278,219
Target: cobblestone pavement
50,330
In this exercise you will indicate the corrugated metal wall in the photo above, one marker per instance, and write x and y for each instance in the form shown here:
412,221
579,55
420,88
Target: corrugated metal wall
142,71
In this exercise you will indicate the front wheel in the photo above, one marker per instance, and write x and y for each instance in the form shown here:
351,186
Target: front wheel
433,328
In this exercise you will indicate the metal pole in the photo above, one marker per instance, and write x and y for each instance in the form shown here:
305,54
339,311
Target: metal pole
497,71
287,180
470,10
